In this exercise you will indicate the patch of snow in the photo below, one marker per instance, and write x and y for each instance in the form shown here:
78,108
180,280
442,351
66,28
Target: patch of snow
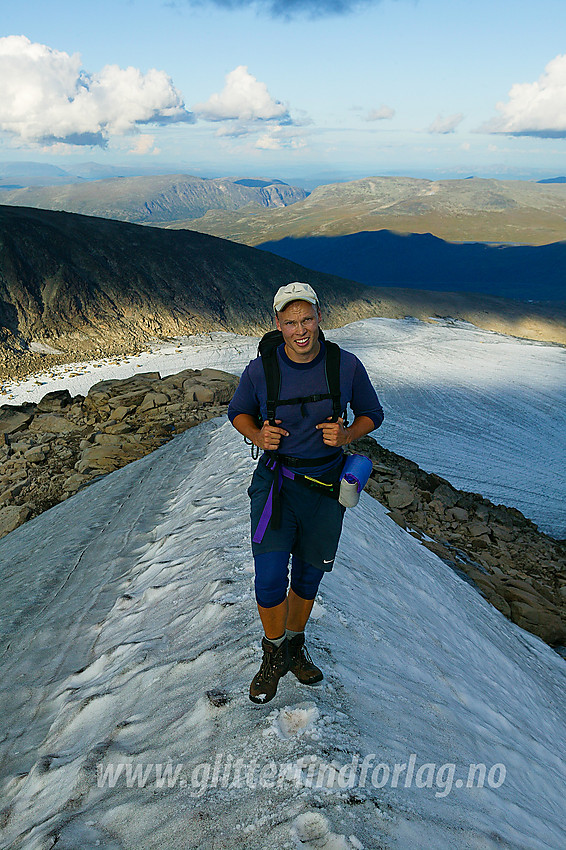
43,348
312,831
294,721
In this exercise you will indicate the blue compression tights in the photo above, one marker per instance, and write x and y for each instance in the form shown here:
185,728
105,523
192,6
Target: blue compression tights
272,576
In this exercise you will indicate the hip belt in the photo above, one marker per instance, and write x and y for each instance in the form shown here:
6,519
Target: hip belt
279,466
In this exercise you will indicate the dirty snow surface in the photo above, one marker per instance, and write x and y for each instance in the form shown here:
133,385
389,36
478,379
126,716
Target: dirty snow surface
129,638
484,410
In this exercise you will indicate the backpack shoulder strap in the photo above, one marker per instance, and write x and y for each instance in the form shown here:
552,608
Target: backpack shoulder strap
332,366
267,350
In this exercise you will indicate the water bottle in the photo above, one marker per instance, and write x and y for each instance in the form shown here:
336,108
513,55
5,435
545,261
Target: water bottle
353,479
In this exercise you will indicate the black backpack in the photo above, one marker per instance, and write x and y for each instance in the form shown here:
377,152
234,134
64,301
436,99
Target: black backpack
267,350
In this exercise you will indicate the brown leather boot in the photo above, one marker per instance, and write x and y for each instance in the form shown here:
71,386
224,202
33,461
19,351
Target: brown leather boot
274,665
300,662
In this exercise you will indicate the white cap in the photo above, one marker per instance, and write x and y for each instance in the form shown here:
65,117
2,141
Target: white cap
294,292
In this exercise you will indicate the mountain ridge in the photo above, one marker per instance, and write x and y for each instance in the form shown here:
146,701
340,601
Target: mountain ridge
474,209
88,286
155,198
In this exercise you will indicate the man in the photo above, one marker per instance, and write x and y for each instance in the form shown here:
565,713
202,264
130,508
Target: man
294,506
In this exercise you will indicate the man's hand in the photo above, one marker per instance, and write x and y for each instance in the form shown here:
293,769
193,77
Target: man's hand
269,437
334,433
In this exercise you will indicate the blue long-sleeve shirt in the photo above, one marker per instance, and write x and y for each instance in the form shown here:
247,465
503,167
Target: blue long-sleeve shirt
305,379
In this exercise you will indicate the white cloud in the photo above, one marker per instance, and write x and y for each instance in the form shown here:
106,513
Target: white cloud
244,98
381,114
445,125
144,145
268,142
279,138
233,130
535,109
46,98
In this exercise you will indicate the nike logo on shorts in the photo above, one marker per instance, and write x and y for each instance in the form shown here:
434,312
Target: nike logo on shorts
328,562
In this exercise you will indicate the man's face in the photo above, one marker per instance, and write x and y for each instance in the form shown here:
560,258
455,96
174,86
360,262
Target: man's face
298,323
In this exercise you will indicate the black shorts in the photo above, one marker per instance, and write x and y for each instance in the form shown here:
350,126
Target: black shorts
311,522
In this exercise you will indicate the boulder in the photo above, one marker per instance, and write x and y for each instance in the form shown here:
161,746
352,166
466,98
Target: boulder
11,517
74,482
217,375
152,400
107,440
400,495
55,401
502,532
177,380
142,378
457,514
35,454
53,424
104,458
130,399
478,529
547,625
437,506
13,420
481,542
445,494
438,549
120,412
397,517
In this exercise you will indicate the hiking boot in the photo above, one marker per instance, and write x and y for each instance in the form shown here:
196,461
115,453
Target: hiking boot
274,665
300,662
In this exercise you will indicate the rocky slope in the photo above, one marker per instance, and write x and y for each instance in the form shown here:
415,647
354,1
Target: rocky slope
474,210
50,450
90,287
157,198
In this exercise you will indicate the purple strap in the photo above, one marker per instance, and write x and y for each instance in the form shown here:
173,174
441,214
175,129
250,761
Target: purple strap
268,507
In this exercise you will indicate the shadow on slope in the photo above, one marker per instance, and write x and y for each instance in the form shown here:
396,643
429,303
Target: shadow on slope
423,261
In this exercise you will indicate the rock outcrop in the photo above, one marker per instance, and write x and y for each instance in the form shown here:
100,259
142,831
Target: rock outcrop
50,450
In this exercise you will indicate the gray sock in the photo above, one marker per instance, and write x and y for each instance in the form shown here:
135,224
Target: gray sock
276,641
289,634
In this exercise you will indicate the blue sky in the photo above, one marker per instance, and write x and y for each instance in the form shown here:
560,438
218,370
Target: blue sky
231,86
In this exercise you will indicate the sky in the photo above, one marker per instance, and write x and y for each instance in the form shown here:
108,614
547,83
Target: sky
288,87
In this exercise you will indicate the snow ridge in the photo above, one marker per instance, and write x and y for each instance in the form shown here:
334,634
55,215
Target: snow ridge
132,635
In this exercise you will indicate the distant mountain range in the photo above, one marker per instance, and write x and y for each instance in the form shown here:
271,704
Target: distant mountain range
422,261
468,210
19,174
87,285
155,199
